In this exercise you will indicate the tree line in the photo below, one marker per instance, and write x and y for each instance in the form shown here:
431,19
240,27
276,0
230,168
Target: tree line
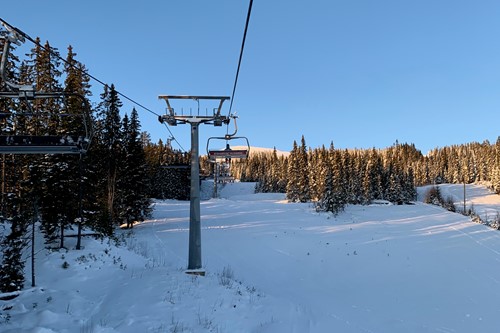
333,178
111,185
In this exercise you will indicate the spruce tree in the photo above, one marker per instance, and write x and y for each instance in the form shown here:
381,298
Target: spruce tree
292,187
79,168
109,152
133,203
43,71
303,179
327,203
14,243
12,268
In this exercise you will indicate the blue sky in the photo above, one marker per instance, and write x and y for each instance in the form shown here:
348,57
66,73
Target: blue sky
360,73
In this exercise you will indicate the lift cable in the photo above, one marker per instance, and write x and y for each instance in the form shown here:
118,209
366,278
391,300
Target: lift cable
241,55
26,36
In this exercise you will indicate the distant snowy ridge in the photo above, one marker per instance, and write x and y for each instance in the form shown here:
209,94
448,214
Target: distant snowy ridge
256,150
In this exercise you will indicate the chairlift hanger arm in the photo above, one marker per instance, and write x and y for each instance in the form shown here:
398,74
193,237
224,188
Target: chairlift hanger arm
14,32
229,136
22,91
33,144
3,64
16,36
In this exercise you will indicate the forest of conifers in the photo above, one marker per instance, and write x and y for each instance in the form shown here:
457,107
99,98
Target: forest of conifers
110,185
336,177
114,182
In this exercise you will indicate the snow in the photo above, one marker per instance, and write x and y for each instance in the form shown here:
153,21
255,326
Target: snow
276,267
478,197
257,150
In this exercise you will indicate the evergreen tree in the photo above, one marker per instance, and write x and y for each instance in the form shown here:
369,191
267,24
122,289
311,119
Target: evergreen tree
292,187
357,177
394,190
43,71
79,168
167,172
109,152
132,200
328,201
334,197
13,244
12,272
303,177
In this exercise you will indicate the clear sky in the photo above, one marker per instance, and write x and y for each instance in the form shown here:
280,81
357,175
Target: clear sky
360,73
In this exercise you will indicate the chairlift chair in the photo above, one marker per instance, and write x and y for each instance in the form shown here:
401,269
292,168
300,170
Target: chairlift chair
227,153
51,141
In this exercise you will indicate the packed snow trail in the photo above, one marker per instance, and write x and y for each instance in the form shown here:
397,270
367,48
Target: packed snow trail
414,268
381,269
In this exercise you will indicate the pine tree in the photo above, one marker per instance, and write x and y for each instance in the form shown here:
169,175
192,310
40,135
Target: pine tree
109,152
79,168
373,178
357,177
328,203
334,195
15,211
394,189
43,71
303,179
12,268
12,272
292,187
167,171
132,201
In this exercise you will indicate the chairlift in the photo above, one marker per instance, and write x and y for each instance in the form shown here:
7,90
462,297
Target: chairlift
228,153
45,139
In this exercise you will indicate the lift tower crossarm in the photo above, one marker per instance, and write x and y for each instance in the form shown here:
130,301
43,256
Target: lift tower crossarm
171,118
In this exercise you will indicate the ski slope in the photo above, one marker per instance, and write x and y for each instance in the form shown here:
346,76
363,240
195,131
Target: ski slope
477,197
276,267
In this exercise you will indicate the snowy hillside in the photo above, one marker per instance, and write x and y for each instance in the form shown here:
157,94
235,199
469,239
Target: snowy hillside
477,197
275,267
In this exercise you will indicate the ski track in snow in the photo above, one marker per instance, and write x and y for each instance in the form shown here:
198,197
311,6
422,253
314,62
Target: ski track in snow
372,269
293,246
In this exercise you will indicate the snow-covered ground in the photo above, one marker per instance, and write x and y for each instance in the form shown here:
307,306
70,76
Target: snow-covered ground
477,197
275,267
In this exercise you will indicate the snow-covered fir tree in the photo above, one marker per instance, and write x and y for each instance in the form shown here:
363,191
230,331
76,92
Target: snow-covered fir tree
292,187
132,200
297,189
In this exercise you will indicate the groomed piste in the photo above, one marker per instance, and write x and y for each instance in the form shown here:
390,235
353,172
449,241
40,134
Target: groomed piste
274,266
